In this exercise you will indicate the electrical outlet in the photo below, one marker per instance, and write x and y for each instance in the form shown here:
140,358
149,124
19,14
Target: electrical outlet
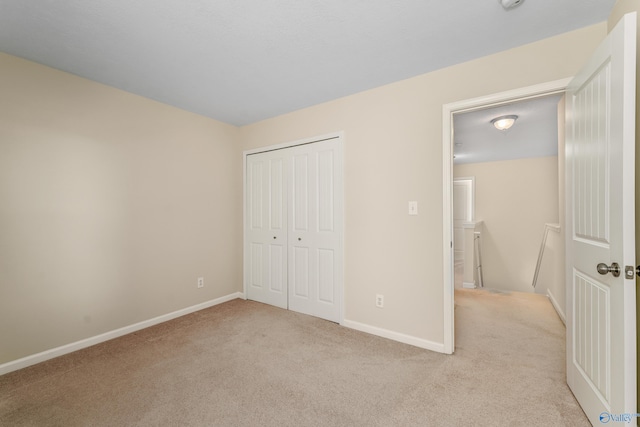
380,301
201,282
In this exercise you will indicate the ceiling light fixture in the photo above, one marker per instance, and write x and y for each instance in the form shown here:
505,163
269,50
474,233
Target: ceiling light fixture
504,122
510,4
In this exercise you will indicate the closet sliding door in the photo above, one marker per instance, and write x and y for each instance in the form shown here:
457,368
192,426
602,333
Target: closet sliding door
294,195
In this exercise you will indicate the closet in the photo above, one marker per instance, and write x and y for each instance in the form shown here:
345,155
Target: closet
293,232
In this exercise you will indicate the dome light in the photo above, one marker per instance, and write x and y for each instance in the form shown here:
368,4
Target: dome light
504,122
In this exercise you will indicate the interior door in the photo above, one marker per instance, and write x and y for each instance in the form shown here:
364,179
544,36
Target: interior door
266,228
462,214
315,229
601,311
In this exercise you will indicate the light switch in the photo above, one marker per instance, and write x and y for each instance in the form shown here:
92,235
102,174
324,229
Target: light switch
413,208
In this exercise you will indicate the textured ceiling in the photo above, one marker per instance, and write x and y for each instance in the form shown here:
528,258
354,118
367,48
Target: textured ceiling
241,61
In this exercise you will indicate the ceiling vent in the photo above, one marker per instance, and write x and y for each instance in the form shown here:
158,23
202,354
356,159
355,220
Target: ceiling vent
510,4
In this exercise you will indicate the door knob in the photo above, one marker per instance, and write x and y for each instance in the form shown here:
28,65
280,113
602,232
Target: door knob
613,269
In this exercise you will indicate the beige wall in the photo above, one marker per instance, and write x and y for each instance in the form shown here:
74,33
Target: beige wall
393,154
515,199
111,206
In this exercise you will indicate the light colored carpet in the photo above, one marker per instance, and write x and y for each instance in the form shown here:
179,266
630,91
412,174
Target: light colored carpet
247,364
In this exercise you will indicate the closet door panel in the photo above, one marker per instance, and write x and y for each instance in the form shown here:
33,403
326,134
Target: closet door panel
300,193
265,229
300,274
316,191
326,194
326,276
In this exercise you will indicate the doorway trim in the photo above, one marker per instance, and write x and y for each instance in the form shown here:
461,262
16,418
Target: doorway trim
448,110
339,136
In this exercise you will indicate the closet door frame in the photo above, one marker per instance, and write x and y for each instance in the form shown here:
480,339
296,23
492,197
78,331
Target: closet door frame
339,206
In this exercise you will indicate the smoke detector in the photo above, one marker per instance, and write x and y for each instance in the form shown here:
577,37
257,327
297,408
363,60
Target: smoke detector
510,4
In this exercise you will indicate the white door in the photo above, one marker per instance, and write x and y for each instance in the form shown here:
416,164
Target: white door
315,229
462,214
601,309
294,228
266,228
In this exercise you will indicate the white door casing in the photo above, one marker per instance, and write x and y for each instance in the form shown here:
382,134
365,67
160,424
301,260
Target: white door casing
294,208
600,197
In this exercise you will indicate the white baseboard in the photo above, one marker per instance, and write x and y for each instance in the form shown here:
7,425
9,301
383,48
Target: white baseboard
14,365
469,285
555,305
396,336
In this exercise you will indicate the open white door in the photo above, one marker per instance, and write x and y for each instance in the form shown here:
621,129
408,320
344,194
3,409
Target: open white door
600,195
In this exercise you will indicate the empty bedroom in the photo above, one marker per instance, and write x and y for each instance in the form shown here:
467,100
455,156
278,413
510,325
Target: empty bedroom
240,213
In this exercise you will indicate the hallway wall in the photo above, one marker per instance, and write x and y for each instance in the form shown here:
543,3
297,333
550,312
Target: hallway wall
515,199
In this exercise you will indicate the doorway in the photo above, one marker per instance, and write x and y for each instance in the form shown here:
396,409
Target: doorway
516,194
476,104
